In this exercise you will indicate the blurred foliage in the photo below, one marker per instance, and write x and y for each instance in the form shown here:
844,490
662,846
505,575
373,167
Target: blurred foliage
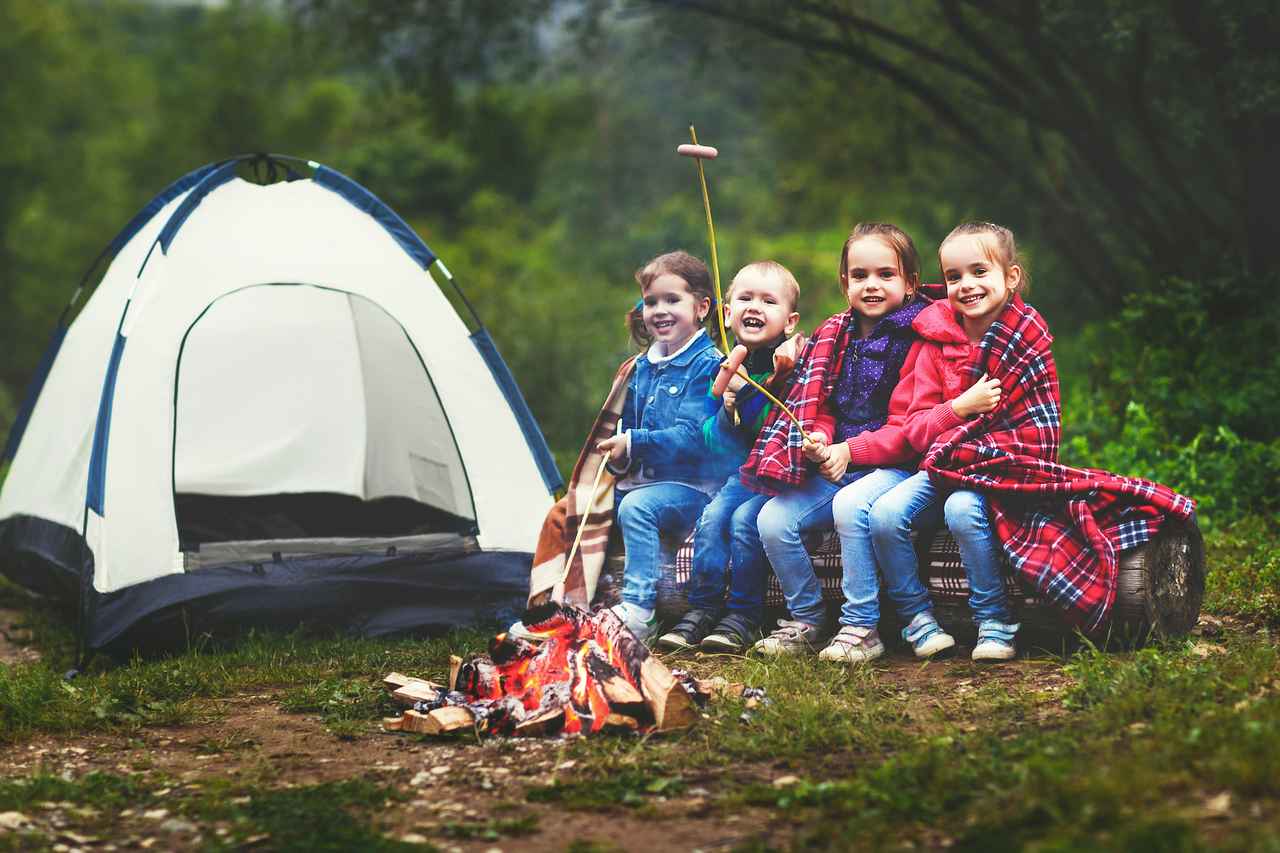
530,143
1182,386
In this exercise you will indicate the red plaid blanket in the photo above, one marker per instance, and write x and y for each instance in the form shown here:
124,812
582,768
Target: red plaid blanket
776,461
1062,528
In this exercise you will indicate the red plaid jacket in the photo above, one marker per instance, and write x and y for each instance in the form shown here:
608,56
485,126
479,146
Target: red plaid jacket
1061,528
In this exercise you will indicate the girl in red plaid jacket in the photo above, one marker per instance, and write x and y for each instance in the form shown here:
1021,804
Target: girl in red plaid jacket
876,516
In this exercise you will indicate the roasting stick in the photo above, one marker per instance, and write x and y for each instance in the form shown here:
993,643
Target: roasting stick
706,152
582,525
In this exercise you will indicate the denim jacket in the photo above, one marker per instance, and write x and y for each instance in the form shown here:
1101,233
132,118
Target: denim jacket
663,414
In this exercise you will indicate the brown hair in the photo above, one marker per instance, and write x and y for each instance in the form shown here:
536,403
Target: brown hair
678,263
997,244
765,269
897,239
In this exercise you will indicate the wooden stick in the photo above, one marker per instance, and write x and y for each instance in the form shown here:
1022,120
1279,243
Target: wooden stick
711,234
582,524
719,306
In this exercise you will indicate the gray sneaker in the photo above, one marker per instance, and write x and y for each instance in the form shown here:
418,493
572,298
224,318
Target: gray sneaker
790,638
854,644
926,636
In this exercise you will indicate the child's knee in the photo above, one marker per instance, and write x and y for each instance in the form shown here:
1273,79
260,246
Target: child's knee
773,522
851,510
886,516
965,510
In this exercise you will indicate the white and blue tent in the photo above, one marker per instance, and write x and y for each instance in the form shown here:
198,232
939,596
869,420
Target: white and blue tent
269,412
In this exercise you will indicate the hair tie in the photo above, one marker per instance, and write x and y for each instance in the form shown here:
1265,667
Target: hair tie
639,305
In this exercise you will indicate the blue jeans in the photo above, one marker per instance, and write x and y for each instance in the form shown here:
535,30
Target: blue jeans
645,515
783,522
852,511
917,504
727,538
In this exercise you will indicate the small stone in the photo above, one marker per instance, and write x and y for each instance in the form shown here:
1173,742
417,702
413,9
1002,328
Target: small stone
413,838
14,821
1218,806
177,824
420,778
156,814
786,781
566,765
440,769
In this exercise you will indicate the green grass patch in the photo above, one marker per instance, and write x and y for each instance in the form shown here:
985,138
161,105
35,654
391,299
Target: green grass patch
336,676
1244,569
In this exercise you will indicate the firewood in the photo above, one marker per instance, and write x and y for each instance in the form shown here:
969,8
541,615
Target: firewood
450,718
394,681
416,691
541,724
670,703
621,721
619,691
392,724
455,664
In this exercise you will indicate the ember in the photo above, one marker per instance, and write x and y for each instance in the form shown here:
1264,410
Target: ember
586,673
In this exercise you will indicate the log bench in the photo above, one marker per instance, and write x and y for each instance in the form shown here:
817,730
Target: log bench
1161,586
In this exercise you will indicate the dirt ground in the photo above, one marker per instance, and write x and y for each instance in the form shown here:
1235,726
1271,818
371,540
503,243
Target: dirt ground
455,782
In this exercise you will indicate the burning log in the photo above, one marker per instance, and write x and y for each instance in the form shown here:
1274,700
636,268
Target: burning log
587,673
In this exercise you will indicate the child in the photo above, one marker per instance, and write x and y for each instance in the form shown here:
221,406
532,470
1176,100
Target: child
664,477
983,276
841,392
761,309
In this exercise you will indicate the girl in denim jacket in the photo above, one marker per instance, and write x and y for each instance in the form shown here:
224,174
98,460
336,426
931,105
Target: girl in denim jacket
665,477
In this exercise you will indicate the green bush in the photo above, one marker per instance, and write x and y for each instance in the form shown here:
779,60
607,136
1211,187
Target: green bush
1183,387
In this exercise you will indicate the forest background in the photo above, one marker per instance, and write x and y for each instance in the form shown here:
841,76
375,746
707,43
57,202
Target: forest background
531,144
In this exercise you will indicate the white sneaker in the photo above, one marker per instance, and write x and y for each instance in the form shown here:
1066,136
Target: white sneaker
995,641
790,638
640,622
854,644
926,636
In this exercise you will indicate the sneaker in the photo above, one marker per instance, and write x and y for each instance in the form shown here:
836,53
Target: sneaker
689,631
733,635
643,627
995,641
854,644
790,638
926,636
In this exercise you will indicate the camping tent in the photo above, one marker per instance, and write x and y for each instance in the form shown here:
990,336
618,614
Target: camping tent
267,412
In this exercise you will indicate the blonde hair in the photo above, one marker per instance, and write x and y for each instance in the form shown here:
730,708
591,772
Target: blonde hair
682,265
893,236
768,269
998,246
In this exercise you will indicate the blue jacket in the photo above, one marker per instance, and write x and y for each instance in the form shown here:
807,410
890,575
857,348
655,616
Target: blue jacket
664,412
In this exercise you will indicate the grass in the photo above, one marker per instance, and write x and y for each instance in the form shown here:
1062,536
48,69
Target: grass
1175,746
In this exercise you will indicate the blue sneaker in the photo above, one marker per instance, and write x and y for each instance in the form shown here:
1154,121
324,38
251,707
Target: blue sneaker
995,641
926,636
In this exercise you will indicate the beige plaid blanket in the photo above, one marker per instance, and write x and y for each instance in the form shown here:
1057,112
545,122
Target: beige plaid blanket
549,580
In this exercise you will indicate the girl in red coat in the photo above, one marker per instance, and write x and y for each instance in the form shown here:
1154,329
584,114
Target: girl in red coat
877,515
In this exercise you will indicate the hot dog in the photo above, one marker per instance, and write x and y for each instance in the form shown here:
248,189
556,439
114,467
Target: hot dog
728,369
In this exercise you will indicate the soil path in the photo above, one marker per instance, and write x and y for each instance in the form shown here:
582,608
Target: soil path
452,784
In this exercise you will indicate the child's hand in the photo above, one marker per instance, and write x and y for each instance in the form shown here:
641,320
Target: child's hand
784,357
614,447
982,397
736,382
815,447
730,400
837,461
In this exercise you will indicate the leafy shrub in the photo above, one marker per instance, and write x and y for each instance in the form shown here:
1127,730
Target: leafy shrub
1182,386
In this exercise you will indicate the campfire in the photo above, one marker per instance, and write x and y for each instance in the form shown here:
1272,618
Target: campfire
586,673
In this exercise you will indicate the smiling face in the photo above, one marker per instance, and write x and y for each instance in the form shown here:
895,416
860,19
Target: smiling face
874,285
761,308
978,287
672,312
